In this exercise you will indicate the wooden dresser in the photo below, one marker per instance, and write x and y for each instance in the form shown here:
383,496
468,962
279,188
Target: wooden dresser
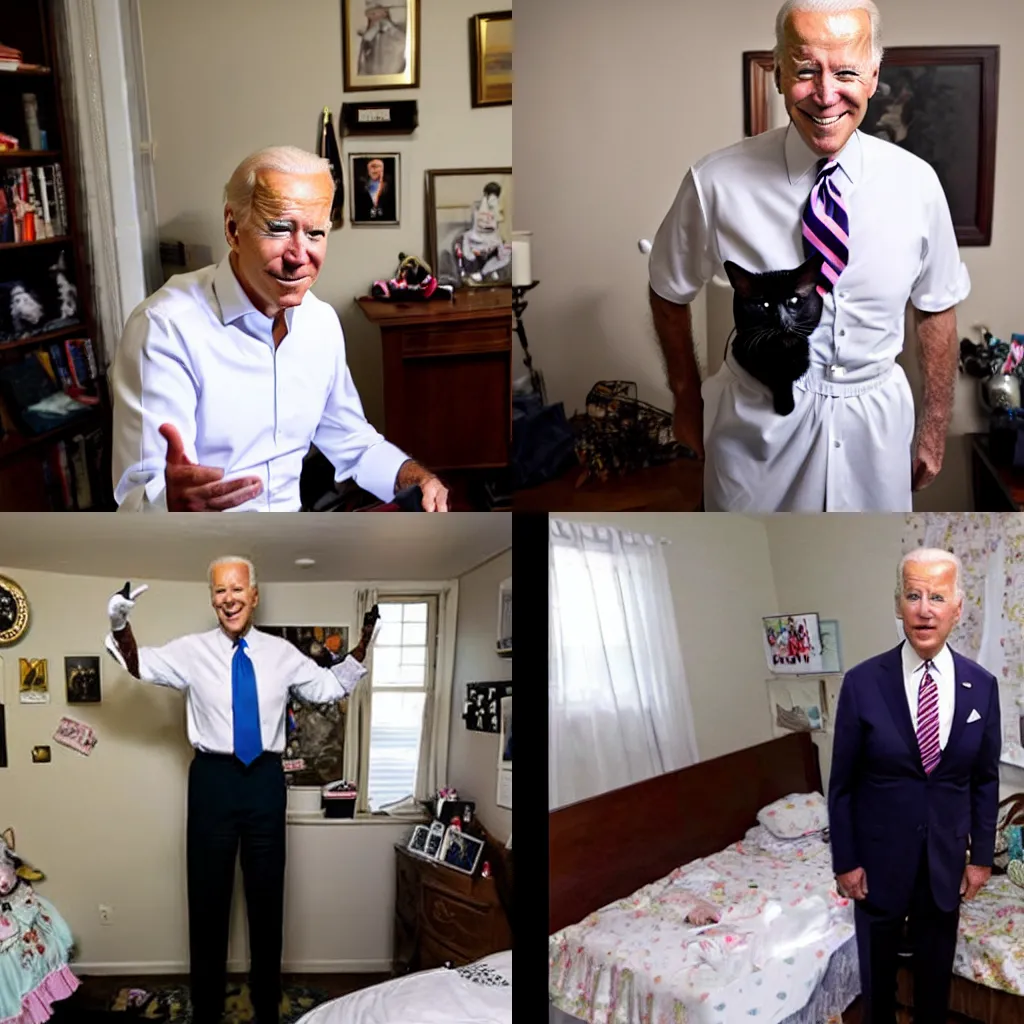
448,377
443,916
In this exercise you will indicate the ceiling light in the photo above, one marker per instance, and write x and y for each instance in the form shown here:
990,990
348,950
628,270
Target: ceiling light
305,563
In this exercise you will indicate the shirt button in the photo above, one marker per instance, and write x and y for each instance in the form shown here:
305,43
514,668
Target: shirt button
838,444
842,333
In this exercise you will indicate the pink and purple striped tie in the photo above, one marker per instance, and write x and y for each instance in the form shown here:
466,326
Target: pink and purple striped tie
826,227
928,720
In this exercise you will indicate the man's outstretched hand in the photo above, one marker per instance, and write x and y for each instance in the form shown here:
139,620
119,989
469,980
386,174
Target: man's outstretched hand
435,494
120,606
192,488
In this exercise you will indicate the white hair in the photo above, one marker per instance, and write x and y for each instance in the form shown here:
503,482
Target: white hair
285,159
232,560
828,7
930,556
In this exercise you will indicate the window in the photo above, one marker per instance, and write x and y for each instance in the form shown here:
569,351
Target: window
401,676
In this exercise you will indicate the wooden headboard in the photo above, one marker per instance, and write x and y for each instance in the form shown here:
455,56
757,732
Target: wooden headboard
602,849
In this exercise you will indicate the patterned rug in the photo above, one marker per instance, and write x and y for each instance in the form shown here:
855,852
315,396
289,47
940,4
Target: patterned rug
170,1003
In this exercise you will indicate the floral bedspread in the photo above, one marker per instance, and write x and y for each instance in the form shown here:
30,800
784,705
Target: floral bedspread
990,948
638,961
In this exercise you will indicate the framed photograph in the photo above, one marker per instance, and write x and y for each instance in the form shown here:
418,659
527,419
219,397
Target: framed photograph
418,840
938,102
13,612
82,680
40,755
469,226
796,705
435,839
490,58
33,687
374,185
380,44
792,644
831,647
461,851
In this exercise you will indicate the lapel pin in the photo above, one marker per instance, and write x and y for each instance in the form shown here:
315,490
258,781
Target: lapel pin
968,685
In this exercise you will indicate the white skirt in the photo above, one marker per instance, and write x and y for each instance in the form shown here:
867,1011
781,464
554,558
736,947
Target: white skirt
845,447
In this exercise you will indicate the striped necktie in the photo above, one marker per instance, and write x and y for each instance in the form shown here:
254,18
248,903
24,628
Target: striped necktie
245,708
825,226
928,720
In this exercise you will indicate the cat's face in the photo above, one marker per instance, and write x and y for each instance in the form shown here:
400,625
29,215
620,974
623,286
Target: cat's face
786,301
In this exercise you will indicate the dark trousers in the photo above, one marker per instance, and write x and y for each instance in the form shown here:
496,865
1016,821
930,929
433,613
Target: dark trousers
932,934
231,806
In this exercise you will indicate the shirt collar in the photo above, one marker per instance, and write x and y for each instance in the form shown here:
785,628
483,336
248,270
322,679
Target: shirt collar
913,662
234,303
802,163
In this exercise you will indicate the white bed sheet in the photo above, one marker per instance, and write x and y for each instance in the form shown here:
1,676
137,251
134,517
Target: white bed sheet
478,994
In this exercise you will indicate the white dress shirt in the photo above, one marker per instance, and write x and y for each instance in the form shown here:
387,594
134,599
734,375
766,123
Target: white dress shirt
200,664
943,674
745,204
199,355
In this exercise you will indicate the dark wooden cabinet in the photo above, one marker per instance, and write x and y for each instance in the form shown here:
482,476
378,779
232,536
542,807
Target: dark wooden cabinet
443,916
448,377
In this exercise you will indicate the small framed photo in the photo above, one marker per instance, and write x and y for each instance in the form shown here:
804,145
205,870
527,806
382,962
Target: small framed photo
461,851
435,839
33,685
374,185
791,643
490,58
418,840
82,680
380,44
831,646
40,755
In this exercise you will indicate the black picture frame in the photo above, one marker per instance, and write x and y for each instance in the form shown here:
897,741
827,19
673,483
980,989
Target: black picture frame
938,102
387,212
82,680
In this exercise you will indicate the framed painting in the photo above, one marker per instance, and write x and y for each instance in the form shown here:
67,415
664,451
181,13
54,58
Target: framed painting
490,59
937,102
380,44
375,182
82,680
469,226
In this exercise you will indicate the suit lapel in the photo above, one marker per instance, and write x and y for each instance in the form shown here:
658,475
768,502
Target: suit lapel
963,701
895,695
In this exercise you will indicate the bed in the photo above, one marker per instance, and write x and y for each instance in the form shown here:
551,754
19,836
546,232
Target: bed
479,993
695,828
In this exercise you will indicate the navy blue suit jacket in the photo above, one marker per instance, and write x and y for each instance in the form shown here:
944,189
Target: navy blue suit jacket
883,808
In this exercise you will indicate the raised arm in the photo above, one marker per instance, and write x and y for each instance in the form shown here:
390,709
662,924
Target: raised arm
157,665
324,685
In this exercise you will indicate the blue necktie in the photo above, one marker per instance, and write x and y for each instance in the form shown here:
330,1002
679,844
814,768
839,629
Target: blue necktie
245,709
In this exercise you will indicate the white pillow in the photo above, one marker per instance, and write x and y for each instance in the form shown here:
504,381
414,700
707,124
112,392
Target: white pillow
759,840
799,814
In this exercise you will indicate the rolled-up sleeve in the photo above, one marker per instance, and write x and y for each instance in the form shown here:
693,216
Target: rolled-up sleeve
943,281
679,265
151,384
353,446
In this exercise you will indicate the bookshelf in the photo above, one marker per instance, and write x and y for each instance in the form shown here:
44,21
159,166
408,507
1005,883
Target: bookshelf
48,342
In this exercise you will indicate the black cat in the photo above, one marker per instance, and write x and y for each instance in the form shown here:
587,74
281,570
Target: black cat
775,314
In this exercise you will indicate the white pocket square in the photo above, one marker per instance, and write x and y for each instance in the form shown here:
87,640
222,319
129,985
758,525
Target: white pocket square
973,716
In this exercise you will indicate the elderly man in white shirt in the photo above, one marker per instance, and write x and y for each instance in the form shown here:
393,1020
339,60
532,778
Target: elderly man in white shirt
236,682
226,375
850,442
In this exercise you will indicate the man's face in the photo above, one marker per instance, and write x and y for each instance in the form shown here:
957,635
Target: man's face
232,597
928,605
375,168
827,75
278,252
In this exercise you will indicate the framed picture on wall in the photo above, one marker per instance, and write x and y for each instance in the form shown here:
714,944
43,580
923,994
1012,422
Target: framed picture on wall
469,226
831,646
82,680
792,644
937,102
490,58
380,44
504,797
375,182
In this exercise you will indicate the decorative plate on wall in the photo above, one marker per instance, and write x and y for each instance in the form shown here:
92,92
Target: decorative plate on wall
13,611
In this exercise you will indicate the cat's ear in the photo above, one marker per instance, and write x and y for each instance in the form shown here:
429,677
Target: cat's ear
807,275
741,280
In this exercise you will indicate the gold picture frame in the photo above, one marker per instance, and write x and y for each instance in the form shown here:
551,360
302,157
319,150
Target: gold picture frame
380,41
13,612
490,58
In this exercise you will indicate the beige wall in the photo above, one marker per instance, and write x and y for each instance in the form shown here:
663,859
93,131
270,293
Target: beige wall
473,756
721,580
612,106
110,828
227,78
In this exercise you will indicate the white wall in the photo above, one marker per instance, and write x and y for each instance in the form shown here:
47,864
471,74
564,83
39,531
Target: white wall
230,77
473,756
110,828
614,104
721,580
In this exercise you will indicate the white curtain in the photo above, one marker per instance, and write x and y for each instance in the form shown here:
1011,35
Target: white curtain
618,705
357,721
432,772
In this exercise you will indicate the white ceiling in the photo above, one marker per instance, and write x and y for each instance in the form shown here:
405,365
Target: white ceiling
346,546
